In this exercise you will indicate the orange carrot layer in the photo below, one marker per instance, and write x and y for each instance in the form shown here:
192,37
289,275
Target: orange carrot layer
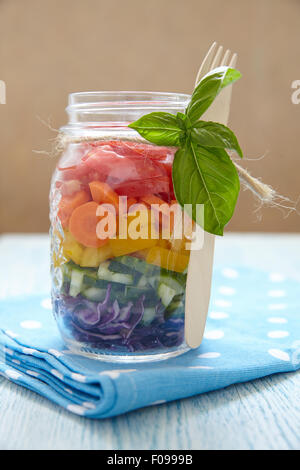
83,225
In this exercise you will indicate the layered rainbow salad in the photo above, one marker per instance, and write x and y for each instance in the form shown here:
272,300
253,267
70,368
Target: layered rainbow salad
116,292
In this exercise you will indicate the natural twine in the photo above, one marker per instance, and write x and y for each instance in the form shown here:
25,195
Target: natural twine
265,193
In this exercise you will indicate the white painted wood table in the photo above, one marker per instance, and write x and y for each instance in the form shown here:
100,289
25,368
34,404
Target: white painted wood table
263,414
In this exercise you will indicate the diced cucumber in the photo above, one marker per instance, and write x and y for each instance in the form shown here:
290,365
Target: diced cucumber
105,274
176,307
90,273
116,267
133,292
153,281
178,313
94,294
66,272
118,292
100,284
180,277
149,315
148,281
76,282
171,281
142,282
166,294
134,263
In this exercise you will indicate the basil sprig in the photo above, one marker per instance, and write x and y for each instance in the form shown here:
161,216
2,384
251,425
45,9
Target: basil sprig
202,172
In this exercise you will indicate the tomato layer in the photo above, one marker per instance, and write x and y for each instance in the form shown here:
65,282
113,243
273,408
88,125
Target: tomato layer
130,169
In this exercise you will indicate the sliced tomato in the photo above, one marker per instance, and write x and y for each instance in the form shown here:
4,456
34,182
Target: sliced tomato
141,188
146,150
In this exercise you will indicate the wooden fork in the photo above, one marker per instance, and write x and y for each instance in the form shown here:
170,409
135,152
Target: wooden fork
201,261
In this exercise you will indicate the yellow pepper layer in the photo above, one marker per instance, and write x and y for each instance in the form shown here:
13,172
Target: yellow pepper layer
93,257
167,259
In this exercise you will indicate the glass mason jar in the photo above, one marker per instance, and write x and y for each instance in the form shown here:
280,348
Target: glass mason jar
117,297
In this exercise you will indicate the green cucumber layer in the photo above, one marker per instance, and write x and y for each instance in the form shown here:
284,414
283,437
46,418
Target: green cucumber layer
130,278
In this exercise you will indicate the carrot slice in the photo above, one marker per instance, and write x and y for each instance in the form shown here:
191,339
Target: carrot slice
151,199
102,193
83,224
69,203
154,200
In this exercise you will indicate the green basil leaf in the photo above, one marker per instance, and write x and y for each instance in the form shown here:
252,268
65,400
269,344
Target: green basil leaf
160,128
214,134
202,176
208,89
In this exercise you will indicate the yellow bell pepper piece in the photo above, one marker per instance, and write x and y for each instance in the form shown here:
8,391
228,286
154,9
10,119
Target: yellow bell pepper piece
92,257
89,258
135,225
124,247
167,259
179,244
71,248
104,253
142,253
163,243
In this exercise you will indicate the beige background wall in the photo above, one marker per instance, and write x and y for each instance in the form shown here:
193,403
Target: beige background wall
49,48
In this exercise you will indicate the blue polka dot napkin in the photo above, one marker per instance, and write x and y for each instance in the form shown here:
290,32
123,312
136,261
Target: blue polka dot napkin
253,330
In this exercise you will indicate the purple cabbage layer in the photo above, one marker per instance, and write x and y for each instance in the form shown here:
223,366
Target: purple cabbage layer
108,326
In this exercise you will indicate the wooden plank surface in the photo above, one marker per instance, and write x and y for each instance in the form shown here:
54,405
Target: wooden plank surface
263,414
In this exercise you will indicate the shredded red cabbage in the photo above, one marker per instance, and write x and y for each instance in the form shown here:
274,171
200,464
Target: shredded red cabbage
107,325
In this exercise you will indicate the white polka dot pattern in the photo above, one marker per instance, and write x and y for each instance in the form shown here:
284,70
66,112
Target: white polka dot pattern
222,303
31,324
277,306
278,354
230,273
77,409
223,346
276,277
218,315
276,293
78,377
277,320
57,374
46,303
209,355
213,334
12,374
278,334
226,290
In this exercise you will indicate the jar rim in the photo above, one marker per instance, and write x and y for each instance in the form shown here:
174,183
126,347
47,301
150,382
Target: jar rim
90,107
129,98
